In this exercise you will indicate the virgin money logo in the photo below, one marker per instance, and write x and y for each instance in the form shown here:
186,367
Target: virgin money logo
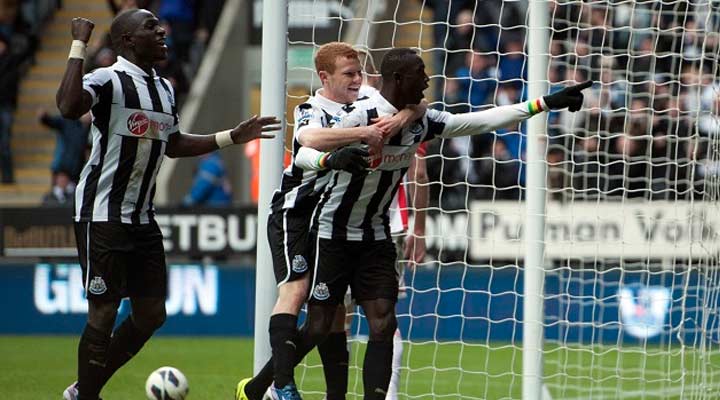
138,124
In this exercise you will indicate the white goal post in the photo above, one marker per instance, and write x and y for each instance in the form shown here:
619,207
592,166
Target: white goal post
571,257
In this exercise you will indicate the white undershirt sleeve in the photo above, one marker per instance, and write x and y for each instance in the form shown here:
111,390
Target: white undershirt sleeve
474,123
307,159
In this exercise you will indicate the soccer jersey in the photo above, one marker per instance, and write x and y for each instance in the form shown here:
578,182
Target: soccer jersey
355,206
300,190
133,116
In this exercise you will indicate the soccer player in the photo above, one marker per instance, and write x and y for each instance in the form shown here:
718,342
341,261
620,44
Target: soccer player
134,124
354,246
410,247
293,205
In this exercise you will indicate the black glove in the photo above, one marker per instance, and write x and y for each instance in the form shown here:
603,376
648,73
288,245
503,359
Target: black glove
350,159
570,97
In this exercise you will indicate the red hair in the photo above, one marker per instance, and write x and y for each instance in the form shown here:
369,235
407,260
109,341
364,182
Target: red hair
328,53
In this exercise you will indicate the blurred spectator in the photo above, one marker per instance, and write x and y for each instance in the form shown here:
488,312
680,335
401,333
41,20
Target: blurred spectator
211,186
17,30
9,77
180,15
476,82
443,12
71,143
61,193
498,173
512,62
459,41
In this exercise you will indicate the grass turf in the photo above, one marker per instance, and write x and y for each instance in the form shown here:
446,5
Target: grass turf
40,367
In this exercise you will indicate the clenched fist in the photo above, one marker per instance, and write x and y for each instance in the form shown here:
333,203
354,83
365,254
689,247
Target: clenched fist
82,29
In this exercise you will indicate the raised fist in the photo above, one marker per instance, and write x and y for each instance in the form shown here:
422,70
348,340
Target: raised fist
82,29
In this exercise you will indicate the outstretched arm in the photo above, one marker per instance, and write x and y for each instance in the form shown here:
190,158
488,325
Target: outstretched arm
188,145
71,99
498,117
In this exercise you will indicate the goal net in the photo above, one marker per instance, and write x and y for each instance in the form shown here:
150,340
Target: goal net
631,280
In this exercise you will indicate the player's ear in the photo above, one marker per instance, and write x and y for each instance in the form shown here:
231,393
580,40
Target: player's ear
397,76
323,76
127,40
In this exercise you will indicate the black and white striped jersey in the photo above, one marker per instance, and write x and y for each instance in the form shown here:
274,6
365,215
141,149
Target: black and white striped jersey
355,206
133,116
300,190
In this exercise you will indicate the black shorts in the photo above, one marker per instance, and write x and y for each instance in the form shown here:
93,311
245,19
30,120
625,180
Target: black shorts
367,267
123,260
290,245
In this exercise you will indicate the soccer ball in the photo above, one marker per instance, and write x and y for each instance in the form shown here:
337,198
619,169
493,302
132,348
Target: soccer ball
166,383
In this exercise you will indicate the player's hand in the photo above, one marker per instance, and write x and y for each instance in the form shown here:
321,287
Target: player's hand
388,124
374,137
253,128
415,249
82,29
350,159
570,97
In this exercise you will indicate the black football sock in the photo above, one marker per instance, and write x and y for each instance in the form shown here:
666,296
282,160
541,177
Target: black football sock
127,340
255,389
283,335
92,360
377,369
335,356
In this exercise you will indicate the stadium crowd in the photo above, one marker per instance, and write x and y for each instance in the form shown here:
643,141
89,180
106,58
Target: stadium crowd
648,121
20,24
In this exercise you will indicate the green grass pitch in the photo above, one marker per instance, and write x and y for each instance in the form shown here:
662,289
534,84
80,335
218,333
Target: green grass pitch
40,367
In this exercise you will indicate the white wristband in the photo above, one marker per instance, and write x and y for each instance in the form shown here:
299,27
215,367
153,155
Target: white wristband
77,49
224,139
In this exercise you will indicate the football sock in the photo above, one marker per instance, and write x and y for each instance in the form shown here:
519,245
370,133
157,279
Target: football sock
283,336
127,340
255,389
377,368
334,354
92,359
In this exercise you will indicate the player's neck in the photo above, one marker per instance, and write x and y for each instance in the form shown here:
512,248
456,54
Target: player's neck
147,67
392,96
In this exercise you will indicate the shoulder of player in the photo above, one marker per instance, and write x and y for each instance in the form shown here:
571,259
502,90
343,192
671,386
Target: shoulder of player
104,73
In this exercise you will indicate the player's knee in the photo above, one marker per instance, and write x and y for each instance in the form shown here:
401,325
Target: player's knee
293,294
101,315
318,324
149,320
382,328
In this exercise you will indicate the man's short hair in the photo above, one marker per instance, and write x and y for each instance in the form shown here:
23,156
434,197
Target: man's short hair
122,24
396,60
329,52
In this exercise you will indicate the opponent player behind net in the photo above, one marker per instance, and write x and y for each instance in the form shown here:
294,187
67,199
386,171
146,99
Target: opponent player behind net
354,246
292,207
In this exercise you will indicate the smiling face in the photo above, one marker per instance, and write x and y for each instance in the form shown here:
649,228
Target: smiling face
148,38
343,84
